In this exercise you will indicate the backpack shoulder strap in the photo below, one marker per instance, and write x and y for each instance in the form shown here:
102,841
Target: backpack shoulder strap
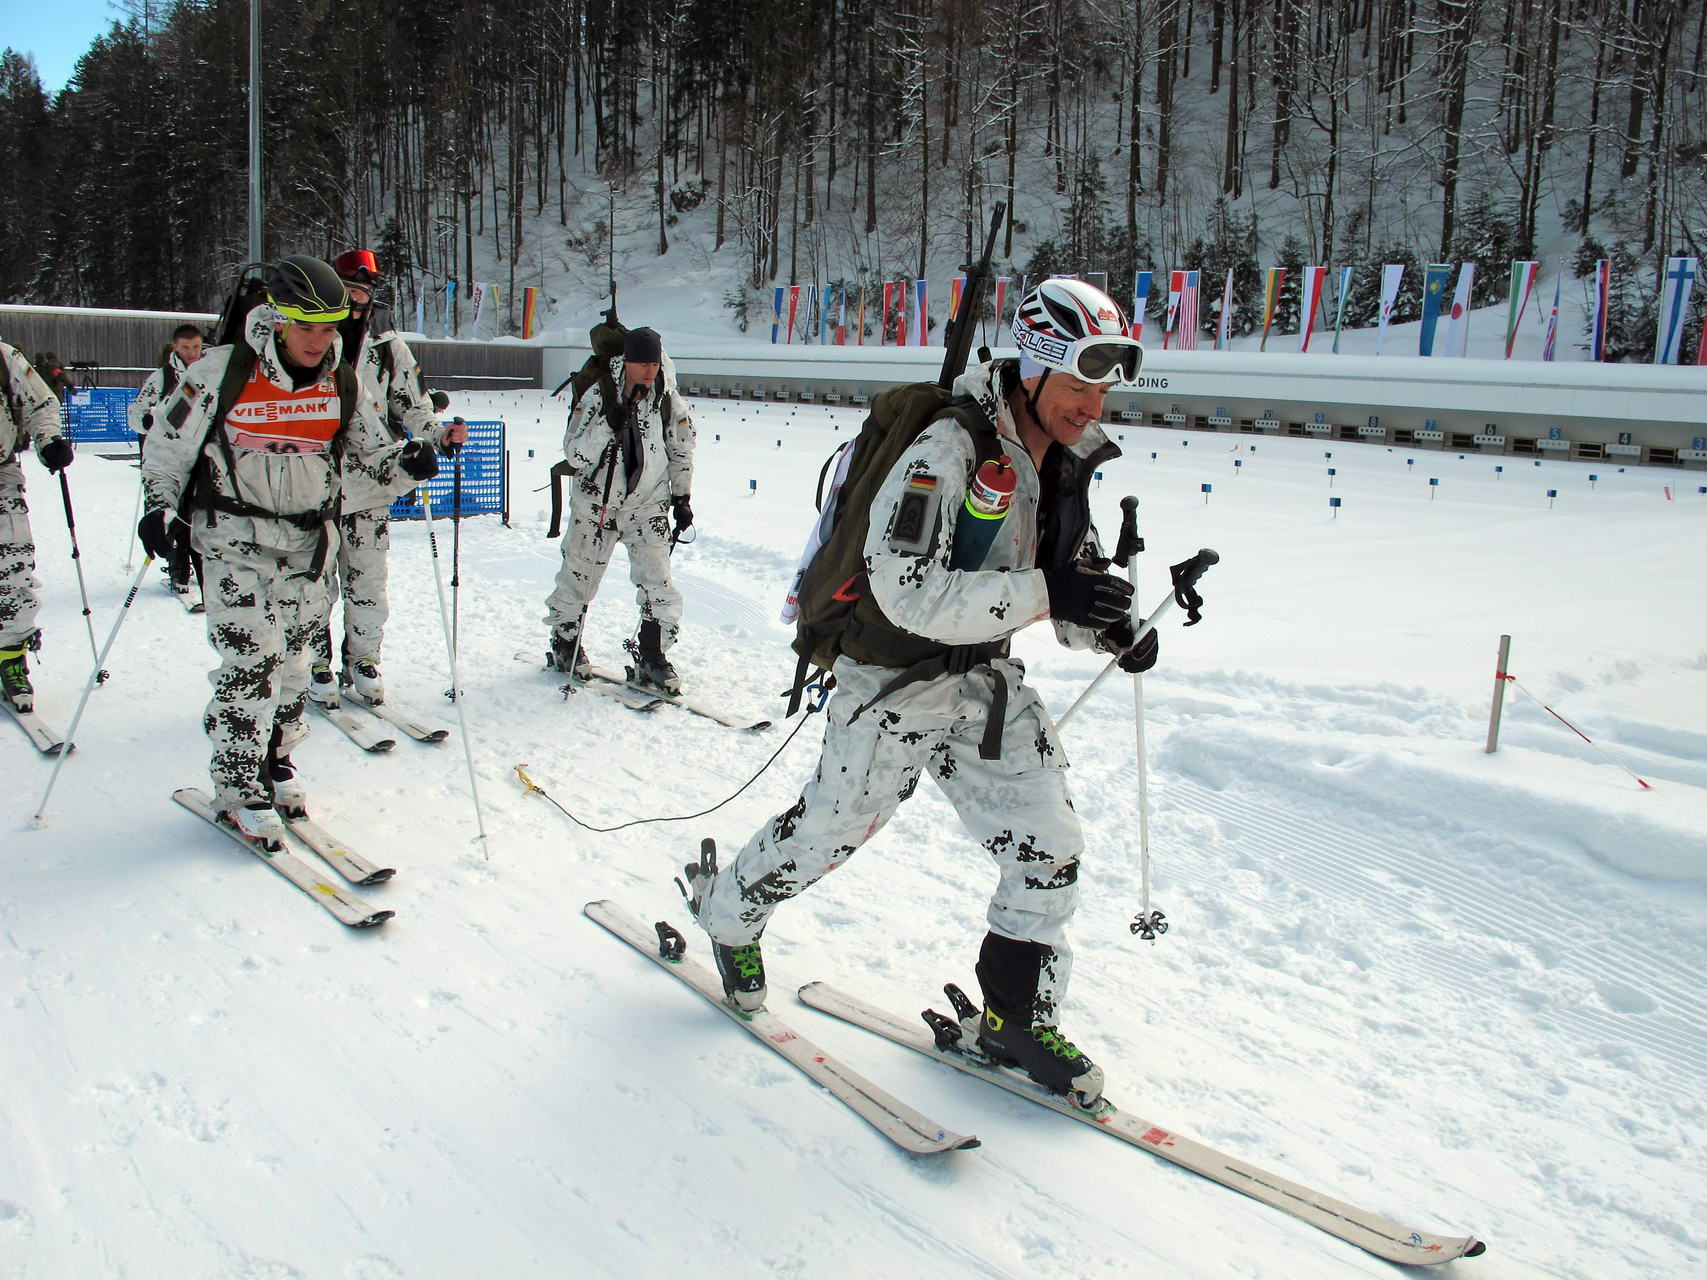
237,371
349,391
613,406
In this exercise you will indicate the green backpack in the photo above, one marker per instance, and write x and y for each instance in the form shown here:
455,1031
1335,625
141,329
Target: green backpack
606,338
830,602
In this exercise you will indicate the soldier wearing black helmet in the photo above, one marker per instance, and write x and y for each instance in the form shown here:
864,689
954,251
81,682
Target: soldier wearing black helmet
253,451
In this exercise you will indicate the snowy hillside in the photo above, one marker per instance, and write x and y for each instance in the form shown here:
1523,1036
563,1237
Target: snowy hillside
1458,989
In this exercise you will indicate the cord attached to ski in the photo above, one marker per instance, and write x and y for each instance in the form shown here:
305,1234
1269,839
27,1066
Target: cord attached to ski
533,788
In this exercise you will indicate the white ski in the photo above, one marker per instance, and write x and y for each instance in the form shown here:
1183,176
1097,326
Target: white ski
1369,1231
894,1119
357,730
342,904
338,855
385,711
626,681
47,741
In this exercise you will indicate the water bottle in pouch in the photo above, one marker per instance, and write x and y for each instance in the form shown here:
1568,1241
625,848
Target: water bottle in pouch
988,498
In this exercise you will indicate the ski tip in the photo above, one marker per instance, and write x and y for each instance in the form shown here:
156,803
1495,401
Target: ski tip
1476,1250
383,745
378,877
968,1143
375,920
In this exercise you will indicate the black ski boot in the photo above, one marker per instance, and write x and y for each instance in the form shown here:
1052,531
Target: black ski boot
1009,1030
741,967
566,649
290,797
651,667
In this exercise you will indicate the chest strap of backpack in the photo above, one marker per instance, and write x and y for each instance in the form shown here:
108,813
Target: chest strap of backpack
237,372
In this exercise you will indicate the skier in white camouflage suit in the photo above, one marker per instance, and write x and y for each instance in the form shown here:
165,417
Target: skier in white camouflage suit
629,445
185,350
390,375
29,413
965,716
263,435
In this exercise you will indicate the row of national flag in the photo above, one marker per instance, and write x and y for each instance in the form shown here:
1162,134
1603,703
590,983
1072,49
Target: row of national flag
824,314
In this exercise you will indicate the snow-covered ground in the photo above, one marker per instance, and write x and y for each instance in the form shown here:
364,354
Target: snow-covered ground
1463,990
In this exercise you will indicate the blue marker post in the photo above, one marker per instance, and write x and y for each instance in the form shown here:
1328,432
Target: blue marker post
1497,471
1237,463
1335,504
1591,480
1206,488
752,488
1409,463
1332,472
1097,476
1152,457
1433,484
1327,455
1551,494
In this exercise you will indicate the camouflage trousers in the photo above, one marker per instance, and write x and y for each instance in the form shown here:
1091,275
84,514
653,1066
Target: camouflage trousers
263,615
19,588
1016,807
644,528
364,544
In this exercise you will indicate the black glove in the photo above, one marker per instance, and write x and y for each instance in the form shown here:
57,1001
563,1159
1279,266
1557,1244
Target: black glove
682,509
1087,597
418,460
1134,658
156,533
56,454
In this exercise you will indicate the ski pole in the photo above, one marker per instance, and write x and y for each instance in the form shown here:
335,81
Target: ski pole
450,646
1148,924
1185,575
40,819
135,519
82,586
455,555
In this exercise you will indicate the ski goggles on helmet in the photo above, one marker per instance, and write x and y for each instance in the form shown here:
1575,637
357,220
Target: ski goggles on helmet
1105,360
358,266
318,313
1099,358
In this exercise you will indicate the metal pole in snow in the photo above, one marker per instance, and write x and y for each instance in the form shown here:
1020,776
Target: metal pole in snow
1500,669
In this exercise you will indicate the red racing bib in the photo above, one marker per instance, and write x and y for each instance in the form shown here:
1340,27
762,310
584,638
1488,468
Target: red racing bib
269,419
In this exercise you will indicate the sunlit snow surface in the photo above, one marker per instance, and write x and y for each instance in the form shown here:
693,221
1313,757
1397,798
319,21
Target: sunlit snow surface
1458,989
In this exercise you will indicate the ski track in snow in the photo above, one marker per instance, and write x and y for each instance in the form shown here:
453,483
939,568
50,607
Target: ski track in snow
1458,989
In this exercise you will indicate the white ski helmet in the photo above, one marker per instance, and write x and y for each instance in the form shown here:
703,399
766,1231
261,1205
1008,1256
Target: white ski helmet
1076,328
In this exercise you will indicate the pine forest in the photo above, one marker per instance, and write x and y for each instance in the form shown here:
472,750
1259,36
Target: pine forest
832,139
